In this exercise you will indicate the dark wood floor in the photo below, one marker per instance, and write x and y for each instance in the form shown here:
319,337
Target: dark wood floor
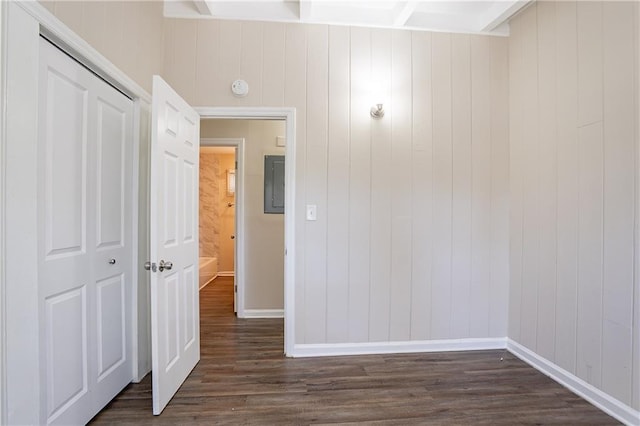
243,378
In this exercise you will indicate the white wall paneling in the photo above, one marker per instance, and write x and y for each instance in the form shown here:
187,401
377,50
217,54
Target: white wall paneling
411,237
400,186
442,186
382,168
315,266
619,171
499,166
573,145
547,180
421,186
338,161
567,186
461,189
480,187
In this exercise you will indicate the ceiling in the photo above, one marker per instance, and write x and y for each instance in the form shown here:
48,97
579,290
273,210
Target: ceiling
479,16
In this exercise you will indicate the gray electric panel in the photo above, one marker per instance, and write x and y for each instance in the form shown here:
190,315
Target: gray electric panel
274,184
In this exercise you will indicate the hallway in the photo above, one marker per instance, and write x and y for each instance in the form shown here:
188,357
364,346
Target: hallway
243,378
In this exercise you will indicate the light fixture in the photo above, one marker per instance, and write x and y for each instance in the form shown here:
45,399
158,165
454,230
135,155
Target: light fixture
377,111
231,182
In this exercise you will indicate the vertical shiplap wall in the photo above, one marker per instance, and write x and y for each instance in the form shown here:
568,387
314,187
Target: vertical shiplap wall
128,33
411,240
574,120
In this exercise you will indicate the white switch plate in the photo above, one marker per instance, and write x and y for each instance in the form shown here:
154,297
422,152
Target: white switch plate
311,212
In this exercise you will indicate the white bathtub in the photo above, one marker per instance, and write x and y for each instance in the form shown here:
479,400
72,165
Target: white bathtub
208,270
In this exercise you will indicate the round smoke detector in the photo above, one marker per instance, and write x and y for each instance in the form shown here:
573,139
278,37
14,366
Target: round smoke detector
240,88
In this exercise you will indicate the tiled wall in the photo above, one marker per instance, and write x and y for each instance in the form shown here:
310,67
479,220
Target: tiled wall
209,205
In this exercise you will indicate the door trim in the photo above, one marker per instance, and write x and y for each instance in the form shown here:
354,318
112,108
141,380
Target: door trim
239,273
289,115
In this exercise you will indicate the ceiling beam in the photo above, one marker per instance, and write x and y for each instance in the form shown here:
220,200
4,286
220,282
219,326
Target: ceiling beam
306,7
203,6
500,13
405,12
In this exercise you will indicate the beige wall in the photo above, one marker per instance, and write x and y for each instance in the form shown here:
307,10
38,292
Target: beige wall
574,142
411,240
128,33
264,233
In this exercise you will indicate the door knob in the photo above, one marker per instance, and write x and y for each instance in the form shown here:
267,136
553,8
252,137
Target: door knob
112,261
150,266
233,237
165,265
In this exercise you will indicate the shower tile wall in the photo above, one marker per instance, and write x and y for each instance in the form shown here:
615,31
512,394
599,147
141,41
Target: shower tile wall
209,205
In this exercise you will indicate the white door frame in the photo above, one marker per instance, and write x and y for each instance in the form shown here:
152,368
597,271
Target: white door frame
238,224
289,115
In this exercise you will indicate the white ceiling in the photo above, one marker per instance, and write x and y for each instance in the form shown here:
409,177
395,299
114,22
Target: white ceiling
475,16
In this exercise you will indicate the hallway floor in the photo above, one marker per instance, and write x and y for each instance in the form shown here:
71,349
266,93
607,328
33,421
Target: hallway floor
243,378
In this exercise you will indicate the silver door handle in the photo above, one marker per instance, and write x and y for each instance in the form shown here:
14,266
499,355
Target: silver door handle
165,265
112,261
150,266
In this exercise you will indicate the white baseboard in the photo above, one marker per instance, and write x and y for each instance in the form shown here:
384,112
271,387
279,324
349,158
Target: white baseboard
226,273
600,399
263,313
208,282
369,348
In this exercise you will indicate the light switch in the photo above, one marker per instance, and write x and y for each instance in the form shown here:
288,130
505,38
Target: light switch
311,212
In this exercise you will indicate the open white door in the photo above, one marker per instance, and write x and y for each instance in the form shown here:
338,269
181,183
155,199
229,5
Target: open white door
175,317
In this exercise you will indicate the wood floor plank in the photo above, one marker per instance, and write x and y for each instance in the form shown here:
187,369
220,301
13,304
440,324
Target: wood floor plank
244,379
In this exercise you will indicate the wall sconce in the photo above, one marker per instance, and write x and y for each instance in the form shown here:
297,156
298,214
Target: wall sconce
377,111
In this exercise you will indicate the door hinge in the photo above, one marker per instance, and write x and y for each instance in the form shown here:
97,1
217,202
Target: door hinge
235,288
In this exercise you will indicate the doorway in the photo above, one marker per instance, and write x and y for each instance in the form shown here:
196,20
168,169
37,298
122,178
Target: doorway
219,212
258,236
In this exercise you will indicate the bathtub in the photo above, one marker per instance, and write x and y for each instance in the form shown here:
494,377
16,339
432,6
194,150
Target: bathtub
208,270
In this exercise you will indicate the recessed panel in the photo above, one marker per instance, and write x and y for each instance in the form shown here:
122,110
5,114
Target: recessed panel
110,301
189,126
66,350
172,326
65,171
170,194
189,298
171,119
110,180
189,201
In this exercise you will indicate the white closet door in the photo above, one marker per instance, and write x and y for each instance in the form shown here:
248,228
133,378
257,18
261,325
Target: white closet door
84,238
112,145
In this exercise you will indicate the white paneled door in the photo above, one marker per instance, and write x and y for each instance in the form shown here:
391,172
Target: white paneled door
175,317
84,239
